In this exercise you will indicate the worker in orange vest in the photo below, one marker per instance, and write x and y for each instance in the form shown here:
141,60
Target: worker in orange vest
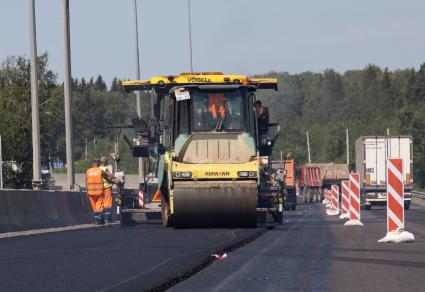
216,105
94,186
107,190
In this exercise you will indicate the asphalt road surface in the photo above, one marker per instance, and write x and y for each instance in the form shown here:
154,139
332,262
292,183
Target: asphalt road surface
309,252
315,252
112,258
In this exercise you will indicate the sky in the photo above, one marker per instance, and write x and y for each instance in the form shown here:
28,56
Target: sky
231,36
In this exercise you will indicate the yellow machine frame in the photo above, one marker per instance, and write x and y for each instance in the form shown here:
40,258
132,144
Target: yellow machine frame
199,79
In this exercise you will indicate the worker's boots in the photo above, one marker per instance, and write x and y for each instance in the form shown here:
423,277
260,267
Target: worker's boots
99,221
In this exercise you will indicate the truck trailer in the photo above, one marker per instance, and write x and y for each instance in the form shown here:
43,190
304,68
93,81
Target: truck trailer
310,183
372,153
315,177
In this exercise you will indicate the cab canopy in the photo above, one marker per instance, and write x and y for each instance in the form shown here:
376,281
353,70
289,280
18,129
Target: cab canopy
165,83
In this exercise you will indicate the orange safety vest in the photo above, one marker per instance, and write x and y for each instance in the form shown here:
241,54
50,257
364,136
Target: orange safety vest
94,181
216,105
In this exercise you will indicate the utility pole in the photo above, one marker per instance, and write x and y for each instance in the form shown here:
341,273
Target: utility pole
190,36
138,97
85,150
281,159
67,94
35,116
347,142
308,148
1,167
152,115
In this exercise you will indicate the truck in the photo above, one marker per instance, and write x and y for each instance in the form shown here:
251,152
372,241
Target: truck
332,174
205,143
315,177
372,153
310,183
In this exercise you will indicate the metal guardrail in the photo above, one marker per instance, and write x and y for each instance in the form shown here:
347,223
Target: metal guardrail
419,195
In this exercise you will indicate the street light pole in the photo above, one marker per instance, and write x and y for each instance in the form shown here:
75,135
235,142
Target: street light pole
190,36
308,148
1,167
138,97
347,142
35,117
67,95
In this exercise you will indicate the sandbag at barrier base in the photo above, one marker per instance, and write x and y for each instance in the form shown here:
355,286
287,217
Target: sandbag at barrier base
332,212
353,223
398,236
344,216
324,202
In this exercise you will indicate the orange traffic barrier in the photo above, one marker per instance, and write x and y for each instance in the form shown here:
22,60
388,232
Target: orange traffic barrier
354,189
395,203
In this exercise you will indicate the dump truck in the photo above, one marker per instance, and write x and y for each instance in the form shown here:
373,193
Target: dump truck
332,173
315,177
372,153
310,183
206,144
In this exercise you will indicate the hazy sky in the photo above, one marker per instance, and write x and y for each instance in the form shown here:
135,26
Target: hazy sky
233,36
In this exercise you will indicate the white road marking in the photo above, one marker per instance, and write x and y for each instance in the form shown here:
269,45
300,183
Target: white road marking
51,230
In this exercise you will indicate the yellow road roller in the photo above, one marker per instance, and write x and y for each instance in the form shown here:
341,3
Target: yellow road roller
206,142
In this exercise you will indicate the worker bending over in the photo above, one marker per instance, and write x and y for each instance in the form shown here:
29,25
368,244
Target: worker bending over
107,190
94,186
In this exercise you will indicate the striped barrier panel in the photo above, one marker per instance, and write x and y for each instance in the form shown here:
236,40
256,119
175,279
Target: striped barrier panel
395,195
354,187
395,204
335,197
354,209
345,201
327,197
141,199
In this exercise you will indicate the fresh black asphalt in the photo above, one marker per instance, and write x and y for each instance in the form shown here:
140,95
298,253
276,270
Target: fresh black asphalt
110,259
309,252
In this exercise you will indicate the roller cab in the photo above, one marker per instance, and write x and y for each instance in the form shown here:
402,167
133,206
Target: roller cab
206,145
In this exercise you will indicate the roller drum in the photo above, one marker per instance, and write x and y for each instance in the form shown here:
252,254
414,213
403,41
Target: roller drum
218,204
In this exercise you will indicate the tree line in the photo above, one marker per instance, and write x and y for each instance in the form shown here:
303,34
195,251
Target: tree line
367,102
96,108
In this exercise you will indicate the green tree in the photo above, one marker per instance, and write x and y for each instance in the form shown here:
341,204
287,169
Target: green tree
15,116
100,85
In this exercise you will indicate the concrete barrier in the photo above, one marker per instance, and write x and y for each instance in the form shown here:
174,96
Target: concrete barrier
26,209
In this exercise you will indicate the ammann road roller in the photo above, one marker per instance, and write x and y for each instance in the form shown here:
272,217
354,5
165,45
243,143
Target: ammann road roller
205,143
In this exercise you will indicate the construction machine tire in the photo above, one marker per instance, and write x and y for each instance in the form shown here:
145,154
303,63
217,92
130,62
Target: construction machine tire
215,204
165,213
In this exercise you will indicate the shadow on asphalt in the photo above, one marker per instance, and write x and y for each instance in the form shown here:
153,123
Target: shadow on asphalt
379,250
379,262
